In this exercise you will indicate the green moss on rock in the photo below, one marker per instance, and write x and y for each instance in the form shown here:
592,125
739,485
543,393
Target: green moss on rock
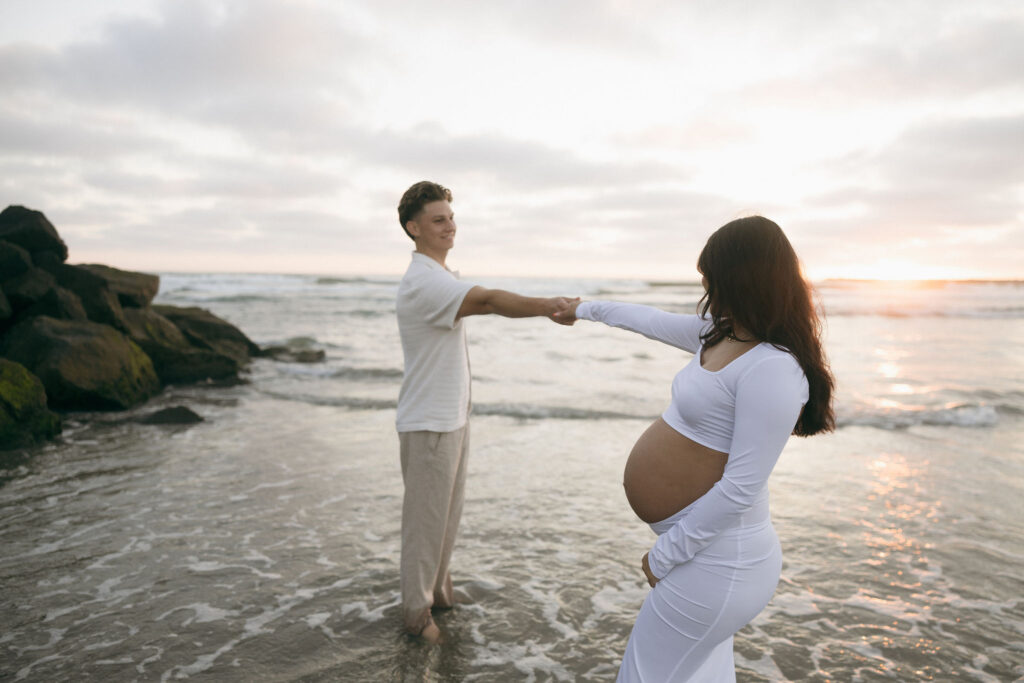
24,417
83,365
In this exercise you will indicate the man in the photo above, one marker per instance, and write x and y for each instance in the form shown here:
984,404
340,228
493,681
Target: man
433,406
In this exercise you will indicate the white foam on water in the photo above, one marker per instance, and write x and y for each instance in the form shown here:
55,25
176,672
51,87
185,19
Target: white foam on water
324,562
764,666
332,500
24,672
205,566
60,543
627,597
528,658
362,611
254,626
975,669
56,635
795,604
202,613
127,549
141,666
104,644
894,608
273,485
550,607
53,614
372,537
318,619
62,581
258,556
105,590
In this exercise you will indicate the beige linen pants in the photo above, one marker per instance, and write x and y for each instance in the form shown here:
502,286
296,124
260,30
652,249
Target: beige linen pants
434,472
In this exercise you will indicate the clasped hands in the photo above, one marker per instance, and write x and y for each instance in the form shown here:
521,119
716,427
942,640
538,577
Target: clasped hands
562,310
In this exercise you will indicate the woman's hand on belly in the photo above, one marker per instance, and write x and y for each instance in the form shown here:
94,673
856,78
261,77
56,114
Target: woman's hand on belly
667,471
651,579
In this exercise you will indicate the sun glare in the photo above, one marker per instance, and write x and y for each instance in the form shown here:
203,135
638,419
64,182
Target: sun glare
898,271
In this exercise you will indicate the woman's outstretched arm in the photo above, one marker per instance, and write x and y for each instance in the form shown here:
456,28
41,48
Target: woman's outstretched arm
675,329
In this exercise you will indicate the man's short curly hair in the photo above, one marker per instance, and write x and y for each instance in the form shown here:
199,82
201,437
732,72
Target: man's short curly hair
418,196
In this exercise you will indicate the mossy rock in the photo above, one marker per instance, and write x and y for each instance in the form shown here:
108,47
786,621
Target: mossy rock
82,364
99,301
204,330
133,290
175,359
24,417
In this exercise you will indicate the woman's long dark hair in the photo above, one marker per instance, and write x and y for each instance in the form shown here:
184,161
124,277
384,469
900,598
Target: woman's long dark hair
754,284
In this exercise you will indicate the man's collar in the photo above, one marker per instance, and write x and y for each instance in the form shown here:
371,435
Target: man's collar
423,258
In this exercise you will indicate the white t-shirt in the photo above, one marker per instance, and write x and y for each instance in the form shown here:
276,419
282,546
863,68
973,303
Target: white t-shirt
435,388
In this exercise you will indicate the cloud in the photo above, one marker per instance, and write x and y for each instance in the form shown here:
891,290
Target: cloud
620,133
196,54
961,171
957,60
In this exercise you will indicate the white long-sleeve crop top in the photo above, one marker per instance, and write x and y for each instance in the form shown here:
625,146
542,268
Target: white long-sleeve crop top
747,409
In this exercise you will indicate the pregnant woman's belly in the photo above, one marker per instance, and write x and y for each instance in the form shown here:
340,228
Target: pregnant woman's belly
667,471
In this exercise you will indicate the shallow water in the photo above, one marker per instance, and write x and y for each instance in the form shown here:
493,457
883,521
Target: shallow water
262,544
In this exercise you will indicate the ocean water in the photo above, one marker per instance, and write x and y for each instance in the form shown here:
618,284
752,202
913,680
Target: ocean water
262,544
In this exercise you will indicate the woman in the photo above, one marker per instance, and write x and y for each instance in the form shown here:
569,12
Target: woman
698,474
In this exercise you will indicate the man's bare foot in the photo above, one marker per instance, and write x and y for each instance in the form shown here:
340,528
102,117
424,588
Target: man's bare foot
431,633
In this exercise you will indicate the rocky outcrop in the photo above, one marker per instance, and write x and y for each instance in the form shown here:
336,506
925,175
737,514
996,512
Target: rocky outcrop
87,337
175,415
206,331
59,303
27,288
24,416
31,231
294,354
82,364
176,360
133,290
100,303
13,260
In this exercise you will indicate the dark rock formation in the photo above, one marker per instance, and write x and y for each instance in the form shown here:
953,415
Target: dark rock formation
133,290
100,303
175,359
31,231
206,331
176,415
47,260
82,364
288,354
86,337
5,307
59,303
13,260
24,417
29,287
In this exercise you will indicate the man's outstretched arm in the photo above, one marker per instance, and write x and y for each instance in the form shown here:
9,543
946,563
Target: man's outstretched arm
481,301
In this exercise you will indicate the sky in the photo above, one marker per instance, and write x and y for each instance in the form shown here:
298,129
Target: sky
580,138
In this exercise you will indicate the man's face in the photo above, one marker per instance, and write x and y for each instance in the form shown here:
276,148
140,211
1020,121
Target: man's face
434,227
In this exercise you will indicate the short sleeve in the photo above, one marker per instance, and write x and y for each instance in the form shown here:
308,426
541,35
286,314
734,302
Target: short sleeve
436,295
